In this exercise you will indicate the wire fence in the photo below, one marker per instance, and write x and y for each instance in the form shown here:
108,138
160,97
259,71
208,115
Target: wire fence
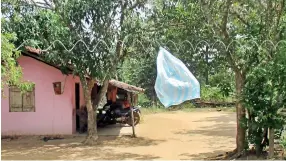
171,45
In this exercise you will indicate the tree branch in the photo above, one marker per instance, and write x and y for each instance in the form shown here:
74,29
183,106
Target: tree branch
38,4
225,33
225,20
48,4
137,3
279,17
240,18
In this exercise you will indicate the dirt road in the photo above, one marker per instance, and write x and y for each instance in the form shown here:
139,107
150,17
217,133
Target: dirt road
173,135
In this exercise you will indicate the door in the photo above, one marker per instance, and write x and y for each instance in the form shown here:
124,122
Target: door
77,104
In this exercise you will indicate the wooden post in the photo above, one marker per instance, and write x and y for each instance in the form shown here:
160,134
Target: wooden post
271,143
132,116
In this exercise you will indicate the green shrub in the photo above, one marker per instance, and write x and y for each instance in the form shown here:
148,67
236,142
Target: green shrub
224,81
283,143
212,94
144,101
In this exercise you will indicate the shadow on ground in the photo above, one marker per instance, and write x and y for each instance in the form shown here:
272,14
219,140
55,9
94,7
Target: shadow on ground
115,130
220,130
223,127
202,156
223,119
115,143
83,153
35,149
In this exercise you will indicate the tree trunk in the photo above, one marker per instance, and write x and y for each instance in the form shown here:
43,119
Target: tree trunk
101,93
240,111
207,62
99,96
271,143
92,136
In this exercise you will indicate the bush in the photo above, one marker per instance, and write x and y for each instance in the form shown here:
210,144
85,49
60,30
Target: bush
212,94
224,81
283,144
144,101
264,96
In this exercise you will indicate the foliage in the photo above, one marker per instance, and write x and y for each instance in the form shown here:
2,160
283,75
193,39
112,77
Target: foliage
11,73
42,27
224,81
283,143
144,101
101,27
247,28
169,26
265,97
237,24
211,94
140,70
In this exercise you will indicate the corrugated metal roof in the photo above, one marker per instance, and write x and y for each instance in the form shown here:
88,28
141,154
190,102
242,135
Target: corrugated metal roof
125,86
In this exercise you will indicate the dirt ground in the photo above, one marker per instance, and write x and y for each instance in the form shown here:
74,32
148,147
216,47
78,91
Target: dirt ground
169,135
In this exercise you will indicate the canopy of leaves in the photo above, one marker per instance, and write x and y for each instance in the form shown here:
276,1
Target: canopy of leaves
11,73
265,96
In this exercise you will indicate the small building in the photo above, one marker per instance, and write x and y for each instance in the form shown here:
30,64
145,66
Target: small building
45,110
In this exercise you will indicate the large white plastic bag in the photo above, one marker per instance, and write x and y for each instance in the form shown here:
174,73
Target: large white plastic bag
174,83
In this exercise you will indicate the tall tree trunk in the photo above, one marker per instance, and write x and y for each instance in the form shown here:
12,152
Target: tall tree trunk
100,95
99,99
240,111
207,62
271,143
91,124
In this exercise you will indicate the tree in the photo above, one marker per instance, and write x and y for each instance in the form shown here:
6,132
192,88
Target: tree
140,70
169,26
11,72
234,28
237,24
264,97
108,26
96,32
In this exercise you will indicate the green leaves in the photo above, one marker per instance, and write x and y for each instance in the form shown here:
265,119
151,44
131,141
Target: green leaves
264,94
11,73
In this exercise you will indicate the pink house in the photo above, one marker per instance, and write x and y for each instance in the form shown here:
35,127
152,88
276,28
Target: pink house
46,109
41,111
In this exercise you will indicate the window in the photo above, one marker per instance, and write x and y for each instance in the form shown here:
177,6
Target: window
21,102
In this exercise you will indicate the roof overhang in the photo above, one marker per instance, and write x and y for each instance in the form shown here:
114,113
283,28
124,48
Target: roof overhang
127,87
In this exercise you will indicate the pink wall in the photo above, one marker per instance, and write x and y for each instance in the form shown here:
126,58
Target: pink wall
55,114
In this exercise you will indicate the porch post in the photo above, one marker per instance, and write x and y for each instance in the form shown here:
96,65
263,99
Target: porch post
132,116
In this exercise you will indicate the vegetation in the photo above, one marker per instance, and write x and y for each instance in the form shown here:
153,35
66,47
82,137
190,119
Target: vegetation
236,49
11,72
238,35
265,97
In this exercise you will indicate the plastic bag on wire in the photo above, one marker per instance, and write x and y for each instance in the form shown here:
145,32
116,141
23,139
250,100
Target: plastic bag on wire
174,84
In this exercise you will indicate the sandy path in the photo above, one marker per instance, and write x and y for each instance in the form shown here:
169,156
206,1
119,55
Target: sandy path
176,135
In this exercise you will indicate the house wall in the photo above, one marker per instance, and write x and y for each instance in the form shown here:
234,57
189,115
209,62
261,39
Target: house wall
54,114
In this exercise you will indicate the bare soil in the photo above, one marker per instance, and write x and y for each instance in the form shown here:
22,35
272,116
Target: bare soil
169,135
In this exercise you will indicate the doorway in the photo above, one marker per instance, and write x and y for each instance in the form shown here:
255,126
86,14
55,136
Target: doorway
77,104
